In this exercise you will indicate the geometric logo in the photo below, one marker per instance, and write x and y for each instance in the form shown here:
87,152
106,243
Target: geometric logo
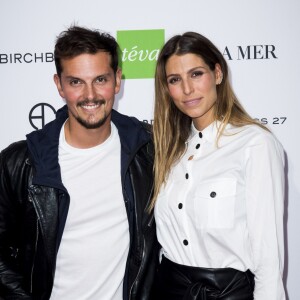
41,114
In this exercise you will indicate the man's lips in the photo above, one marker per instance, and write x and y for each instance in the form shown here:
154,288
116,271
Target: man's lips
90,105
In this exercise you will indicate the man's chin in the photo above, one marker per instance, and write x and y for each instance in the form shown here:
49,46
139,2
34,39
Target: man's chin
92,125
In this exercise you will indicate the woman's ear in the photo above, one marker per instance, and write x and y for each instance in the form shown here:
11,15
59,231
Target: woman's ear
218,74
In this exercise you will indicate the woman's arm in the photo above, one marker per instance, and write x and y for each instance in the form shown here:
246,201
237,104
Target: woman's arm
264,183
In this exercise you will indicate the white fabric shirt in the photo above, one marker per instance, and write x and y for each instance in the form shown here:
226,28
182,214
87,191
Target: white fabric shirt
222,206
92,255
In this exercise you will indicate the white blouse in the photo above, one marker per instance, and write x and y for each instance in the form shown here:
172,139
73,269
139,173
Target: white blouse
222,206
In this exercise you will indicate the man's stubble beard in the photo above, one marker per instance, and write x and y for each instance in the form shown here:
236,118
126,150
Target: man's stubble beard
86,123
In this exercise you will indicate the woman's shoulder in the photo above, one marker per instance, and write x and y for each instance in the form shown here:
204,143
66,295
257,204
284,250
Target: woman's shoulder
254,135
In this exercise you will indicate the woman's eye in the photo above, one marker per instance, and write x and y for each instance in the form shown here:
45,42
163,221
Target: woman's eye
173,80
197,73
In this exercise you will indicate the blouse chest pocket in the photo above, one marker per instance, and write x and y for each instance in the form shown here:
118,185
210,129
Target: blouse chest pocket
214,203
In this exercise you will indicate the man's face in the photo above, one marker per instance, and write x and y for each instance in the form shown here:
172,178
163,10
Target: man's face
88,85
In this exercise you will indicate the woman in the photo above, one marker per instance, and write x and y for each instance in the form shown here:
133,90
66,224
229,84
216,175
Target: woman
219,179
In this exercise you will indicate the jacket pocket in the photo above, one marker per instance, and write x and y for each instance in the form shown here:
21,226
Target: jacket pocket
214,203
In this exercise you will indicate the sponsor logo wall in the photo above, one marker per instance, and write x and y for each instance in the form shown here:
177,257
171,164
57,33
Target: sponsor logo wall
259,40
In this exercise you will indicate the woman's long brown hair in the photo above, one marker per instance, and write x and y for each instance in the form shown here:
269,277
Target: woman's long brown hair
171,128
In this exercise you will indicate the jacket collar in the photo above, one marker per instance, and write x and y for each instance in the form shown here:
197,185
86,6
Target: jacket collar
43,145
131,132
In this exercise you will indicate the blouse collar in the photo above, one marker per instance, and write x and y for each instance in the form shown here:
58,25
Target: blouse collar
209,133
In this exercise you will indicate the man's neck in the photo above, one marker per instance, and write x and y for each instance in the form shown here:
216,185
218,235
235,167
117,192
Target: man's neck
80,137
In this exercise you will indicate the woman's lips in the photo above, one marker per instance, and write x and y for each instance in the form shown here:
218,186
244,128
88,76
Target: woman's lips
192,102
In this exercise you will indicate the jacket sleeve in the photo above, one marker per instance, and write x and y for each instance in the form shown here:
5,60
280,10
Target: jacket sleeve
11,280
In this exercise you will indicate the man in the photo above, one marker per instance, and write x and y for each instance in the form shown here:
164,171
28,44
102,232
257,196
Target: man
74,222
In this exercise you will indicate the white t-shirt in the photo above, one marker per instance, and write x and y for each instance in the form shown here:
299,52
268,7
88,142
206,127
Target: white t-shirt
223,207
93,252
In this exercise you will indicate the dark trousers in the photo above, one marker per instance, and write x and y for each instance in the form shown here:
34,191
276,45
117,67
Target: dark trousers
179,282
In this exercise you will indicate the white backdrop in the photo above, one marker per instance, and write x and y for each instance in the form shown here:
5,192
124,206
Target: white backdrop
266,85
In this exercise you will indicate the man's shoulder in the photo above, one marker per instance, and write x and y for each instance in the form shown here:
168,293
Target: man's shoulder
146,126
119,117
130,123
15,147
16,151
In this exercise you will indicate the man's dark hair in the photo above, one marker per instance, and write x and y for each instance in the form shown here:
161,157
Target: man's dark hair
79,40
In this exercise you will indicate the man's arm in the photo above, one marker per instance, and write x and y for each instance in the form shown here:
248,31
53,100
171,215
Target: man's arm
11,280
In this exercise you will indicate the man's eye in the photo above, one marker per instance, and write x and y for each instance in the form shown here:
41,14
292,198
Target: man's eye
101,80
74,81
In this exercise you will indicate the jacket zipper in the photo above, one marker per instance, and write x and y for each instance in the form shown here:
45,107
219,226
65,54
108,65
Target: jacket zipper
143,254
149,200
149,223
151,220
35,246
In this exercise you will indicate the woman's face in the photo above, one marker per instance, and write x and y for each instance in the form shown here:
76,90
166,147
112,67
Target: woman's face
192,87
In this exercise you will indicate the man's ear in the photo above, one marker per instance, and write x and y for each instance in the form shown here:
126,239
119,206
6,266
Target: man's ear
118,80
58,85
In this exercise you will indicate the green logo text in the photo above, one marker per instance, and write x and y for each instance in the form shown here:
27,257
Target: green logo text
139,52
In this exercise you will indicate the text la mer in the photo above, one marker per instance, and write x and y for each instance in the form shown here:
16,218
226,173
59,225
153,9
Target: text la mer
253,52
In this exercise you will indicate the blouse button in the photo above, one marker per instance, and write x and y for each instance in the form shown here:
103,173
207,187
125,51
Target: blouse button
186,176
180,205
191,157
185,242
197,146
200,135
213,194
